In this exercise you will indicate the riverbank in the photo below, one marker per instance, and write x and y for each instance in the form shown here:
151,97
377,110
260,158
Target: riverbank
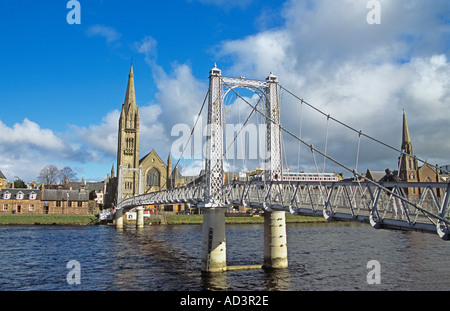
169,220
48,220
198,219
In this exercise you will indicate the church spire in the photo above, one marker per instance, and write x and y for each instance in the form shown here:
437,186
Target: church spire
130,96
406,139
128,142
408,165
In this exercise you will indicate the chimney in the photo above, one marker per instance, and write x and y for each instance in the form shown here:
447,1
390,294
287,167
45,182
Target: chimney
42,191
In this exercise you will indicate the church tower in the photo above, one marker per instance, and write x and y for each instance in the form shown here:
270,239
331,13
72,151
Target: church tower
408,165
128,142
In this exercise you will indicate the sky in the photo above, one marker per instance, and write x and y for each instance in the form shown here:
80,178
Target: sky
361,62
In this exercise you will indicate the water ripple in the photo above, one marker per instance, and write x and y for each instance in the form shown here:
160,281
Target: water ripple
162,258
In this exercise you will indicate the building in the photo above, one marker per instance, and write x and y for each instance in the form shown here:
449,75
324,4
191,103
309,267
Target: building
95,190
409,169
408,164
156,174
2,180
45,201
128,141
20,201
374,175
65,202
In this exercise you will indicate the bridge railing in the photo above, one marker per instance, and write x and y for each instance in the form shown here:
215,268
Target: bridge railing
187,194
400,205
406,206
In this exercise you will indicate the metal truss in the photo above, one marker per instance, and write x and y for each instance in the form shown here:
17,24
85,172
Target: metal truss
383,206
269,88
218,88
214,143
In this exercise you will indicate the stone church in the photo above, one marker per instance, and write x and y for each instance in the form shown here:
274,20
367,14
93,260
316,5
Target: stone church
409,169
408,166
155,174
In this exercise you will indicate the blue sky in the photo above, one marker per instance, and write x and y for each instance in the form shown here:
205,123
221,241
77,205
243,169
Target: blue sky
62,86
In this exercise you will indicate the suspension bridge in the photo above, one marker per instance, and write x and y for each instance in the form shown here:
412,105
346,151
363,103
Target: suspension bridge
383,205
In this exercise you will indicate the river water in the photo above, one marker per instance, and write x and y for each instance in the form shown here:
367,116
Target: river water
330,256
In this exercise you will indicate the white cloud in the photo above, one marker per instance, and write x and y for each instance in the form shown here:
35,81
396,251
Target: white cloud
146,46
29,133
361,74
25,148
101,138
109,33
153,133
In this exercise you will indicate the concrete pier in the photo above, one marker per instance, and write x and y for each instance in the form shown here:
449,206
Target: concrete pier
119,219
275,242
213,240
140,217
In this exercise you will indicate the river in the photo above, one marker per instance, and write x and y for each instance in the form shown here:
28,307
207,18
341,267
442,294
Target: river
331,256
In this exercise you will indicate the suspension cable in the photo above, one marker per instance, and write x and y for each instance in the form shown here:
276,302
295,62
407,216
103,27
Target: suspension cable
187,143
326,143
244,124
351,128
357,153
300,135
354,172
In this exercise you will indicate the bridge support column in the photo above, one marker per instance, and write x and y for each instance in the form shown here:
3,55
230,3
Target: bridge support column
275,243
213,241
140,217
119,219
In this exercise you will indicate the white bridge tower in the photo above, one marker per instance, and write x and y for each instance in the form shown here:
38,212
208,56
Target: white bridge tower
213,241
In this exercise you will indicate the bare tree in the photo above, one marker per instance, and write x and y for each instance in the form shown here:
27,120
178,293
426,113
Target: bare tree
66,175
48,175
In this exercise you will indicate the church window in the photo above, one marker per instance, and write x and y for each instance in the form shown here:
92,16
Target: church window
130,143
153,178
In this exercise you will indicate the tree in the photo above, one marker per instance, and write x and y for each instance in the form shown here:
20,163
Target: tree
19,183
66,175
48,175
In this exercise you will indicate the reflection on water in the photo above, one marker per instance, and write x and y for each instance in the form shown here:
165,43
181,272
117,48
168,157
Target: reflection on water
321,257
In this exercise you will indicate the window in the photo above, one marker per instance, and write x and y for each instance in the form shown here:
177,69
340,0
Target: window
153,178
80,204
19,195
31,208
32,196
129,143
5,207
7,195
58,203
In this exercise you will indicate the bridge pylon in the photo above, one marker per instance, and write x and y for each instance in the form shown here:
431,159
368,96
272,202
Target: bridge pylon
213,236
213,239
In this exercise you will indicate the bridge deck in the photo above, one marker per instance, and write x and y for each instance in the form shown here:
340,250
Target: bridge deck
383,206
